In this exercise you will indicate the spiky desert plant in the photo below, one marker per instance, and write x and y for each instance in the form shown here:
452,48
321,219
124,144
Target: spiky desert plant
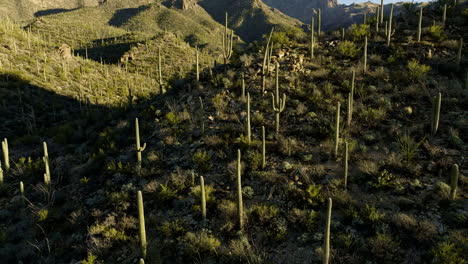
249,134
263,148
319,22
139,149
278,103
202,115
326,242
203,197
228,38
459,54
381,10
312,40
453,181
240,205
266,61
444,15
389,34
141,220
420,23
337,128
345,160
436,104
6,155
197,64
46,164
365,54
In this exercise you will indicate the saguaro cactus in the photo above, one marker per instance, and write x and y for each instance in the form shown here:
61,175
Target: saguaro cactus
266,61
444,15
6,155
420,23
351,100
21,187
337,128
263,148
46,164
377,21
453,181
240,205
459,54
228,38
203,197
277,102
243,87
249,134
141,219
326,242
381,10
312,40
160,78
319,22
197,64
365,54
389,34
1,174
139,149
437,101
141,261
202,116
345,160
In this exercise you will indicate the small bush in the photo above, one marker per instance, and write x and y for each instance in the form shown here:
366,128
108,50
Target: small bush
264,213
200,243
202,160
437,32
279,38
359,32
408,147
347,49
313,195
446,253
416,72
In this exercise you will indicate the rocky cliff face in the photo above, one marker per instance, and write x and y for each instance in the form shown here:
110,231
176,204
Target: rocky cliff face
301,9
182,4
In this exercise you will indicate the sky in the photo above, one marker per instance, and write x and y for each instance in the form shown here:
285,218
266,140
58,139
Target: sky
348,2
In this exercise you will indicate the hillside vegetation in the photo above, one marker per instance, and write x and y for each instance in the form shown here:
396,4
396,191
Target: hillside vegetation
340,147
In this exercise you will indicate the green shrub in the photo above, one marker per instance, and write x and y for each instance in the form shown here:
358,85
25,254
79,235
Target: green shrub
209,189
313,195
408,147
359,32
437,32
172,119
347,49
42,215
446,253
172,229
264,213
200,243
91,259
254,159
279,38
416,72
202,160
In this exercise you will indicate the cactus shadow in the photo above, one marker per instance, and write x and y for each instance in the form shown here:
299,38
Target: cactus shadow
122,16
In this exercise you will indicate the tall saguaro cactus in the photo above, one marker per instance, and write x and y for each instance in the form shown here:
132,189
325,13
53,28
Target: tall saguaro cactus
389,34
365,55
46,164
453,181
377,21
141,220
228,38
312,40
263,148
139,149
278,103
203,197
240,205
197,65
266,61
351,100
346,158
6,155
319,22
437,101
249,134
444,15
160,78
202,116
1,174
420,23
459,53
337,128
326,242
381,10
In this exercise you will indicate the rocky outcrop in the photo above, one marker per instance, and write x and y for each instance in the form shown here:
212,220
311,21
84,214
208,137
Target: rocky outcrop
301,9
182,4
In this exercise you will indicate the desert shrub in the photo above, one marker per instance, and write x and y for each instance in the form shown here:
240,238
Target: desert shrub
359,32
200,243
416,72
166,193
347,49
172,229
264,213
202,160
90,259
241,250
280,38
408,147
209,190
384,247
384,180
172,119
437,32
446,253
306,218
219,103
313,195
